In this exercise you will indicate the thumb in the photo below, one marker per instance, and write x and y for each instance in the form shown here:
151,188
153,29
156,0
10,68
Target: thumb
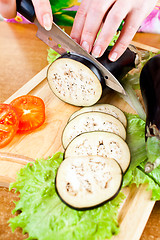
8,8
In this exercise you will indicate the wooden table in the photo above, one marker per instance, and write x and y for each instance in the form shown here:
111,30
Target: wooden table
23,56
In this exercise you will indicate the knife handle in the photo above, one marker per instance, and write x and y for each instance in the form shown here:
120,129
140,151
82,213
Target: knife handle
26,8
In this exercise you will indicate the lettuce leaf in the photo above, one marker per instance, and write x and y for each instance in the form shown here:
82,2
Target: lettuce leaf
141,153
153,153
138,177
44,216
136,139
52,55
153,149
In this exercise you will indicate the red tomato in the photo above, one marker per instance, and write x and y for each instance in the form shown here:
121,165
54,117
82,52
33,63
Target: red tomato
9,122
31,112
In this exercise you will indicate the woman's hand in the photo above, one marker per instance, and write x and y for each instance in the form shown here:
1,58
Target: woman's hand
107,15
92,16
42,9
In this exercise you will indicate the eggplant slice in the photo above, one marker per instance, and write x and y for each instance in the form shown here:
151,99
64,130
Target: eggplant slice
106,108
88,181
102,144
75,80
92,121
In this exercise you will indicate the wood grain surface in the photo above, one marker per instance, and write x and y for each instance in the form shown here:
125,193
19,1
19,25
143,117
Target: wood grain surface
23,56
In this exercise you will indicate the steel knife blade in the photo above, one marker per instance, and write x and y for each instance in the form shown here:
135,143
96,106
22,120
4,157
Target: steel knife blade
61,42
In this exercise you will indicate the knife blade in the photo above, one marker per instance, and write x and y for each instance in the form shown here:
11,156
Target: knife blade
61,42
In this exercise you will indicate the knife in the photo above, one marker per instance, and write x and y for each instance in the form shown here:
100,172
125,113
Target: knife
61,42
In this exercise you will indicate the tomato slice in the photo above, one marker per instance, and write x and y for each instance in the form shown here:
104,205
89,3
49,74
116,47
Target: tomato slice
31,112
9,122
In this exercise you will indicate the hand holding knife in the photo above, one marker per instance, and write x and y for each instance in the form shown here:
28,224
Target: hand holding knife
57,37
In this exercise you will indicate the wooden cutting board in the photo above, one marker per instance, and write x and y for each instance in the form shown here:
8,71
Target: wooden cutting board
46,141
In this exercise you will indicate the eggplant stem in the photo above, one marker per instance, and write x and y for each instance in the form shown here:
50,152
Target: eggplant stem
149,167
152,130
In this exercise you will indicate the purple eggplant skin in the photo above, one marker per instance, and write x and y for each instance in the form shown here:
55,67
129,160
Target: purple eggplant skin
150,89
123,65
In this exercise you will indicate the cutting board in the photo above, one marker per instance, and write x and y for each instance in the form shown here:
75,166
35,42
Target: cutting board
46,141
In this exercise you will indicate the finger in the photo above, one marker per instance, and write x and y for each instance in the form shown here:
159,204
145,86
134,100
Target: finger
80,20
110,26
44,13
129,29
8,8
92,27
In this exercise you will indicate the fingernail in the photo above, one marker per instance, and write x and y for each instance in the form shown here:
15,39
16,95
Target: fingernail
85,45
113,56
47,21
96,51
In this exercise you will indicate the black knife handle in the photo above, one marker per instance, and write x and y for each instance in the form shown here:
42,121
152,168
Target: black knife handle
26,8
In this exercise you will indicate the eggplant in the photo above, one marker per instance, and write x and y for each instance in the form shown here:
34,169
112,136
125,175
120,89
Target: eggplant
127,61
150,89
76,80
106,108
102,144
91,121
88,181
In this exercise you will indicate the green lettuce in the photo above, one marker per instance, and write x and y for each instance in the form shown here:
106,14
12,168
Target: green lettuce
138,177
136,139
52,55
141,153
44,216
153,148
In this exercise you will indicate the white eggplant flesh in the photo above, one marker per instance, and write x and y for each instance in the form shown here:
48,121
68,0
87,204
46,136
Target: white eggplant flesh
92,121
106,108
73,82
88,181
100,143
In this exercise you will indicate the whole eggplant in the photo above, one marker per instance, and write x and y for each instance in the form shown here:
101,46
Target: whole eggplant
150,89
128,60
